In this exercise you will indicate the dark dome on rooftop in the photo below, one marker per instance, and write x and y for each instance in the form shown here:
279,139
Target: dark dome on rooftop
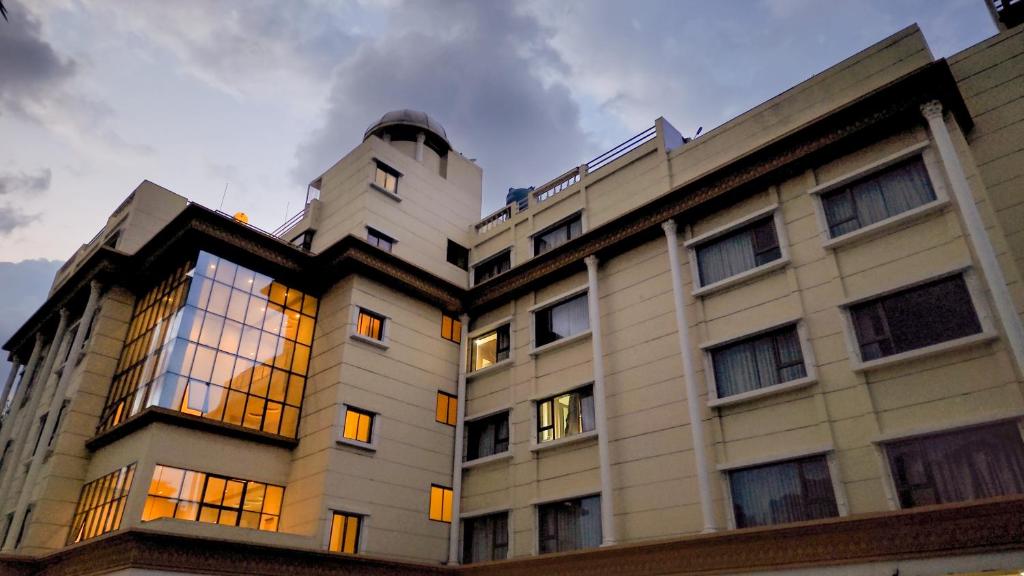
405,124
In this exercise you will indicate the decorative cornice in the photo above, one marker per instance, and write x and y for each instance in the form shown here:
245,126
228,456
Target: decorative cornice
155,414
983,527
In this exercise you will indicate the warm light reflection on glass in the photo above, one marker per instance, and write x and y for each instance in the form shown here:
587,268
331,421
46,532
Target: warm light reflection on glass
197,496
101,505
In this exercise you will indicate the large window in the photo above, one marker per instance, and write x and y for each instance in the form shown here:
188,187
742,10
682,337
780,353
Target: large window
217,341
782,492
358,425
737,251
490,348
345,532
957,466
486,436
570,525
101,505
753,363
914,318
881,195
485,538
557,235
214,499
565,319
386,178
440,503
565,415
492,267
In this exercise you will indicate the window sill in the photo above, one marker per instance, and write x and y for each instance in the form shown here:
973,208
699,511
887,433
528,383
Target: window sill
496,367
506,455
368,447
885,226
762,392
935,349
391,195
538,447
559,343
368,340
742,278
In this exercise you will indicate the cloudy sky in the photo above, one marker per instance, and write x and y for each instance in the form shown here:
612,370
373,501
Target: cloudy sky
262,96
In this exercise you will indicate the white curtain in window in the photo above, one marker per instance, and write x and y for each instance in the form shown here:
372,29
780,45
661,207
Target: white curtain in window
725,257
570,317
744,367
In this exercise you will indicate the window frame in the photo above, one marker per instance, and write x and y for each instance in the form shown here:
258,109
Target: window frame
536,444
455,325
478,419
385,328
773,211
485,331
430,499
933,167
563,223
375,237
549,304
374,428
360,530
538,504
974,291
448,408
488,260
464,252
467,518
387,169
806,350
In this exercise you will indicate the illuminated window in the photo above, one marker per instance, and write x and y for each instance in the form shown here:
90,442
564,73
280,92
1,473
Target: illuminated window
440,503
493,266
485,538
101,505
490,348
447,408
565,415
379,239
386,178
214,499
345,532
562,320
358,425
557,235
218,341
737,251
451,328
370,325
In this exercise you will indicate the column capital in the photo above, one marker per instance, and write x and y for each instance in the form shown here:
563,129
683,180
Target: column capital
65,313
95,287
932,110
40,339
669,226
591,261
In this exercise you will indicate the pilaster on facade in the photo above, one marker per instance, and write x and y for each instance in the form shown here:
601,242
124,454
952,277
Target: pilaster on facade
460,432
608,536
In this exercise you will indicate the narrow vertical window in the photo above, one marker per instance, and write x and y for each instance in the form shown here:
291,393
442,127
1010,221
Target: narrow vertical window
759,362
485,538
880,196
370,325
358,425
440,503
345,529
447,408
451,328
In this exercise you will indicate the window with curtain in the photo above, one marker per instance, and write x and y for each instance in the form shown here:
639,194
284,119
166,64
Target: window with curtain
557,235
485,538
570,525
345,532
882,195
213,499
490,348
957,466
782,492
358,425
737,251
562,320
486,436
565,415
492,267
758,362
914,318
101,505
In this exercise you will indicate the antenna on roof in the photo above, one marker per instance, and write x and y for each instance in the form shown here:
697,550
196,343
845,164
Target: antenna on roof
698,131
223,196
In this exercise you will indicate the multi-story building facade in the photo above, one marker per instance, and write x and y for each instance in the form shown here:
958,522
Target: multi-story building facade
792,343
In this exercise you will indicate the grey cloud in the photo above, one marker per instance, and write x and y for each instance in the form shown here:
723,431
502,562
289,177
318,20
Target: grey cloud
23,183
483,70
12,218
29,65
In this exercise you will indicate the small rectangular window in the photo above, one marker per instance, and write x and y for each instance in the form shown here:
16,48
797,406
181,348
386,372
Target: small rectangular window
358,425
758,362
56,425
877,197
370,325
782,492
565,415
492,267
101,505
39,437
386,178
490,348
345,532
485,538
440,503
447,408
458,255
569,525
557,235
379,239
565,319
914,318
957,466
486,437
737,251
451,328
